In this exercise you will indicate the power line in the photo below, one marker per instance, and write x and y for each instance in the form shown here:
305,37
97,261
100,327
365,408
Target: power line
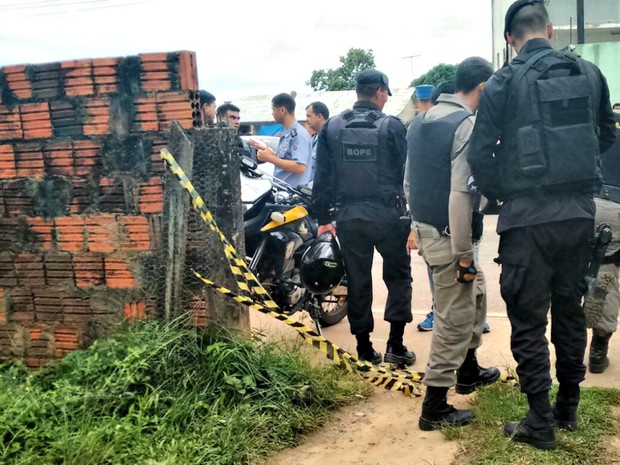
79,10
47,4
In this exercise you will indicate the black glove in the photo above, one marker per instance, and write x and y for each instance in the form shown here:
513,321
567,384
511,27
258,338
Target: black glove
466,274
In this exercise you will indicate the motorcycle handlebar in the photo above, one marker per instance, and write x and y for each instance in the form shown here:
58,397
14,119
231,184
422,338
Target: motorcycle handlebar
250,166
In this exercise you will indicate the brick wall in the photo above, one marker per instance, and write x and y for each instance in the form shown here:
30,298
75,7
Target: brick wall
81,194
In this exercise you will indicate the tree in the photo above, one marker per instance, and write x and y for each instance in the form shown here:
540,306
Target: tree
343,78
437,74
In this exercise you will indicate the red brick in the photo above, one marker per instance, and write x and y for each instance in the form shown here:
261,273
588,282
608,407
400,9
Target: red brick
188,70
154,66
102,233
117,273
97,62
88,269
83,90
84,63
101,71
150,57
59,269
155,86
22,301
30,270
135,310
71,233
7,162
4,308
43,229
134,233
152,196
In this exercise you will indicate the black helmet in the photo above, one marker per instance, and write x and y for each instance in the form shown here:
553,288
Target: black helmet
321,265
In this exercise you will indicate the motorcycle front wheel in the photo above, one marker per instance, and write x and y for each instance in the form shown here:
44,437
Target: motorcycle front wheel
333,307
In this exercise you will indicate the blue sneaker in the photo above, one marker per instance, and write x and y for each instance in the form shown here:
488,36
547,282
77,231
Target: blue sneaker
427,324
486,328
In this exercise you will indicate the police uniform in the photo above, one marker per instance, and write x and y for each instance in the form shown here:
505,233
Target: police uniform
608,211
551,114
359,172
295,145
437,156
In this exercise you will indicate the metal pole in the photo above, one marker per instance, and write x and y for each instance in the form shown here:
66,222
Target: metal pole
411,57
581,30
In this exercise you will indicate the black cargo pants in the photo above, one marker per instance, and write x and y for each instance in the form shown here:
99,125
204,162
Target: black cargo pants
544,265
358,239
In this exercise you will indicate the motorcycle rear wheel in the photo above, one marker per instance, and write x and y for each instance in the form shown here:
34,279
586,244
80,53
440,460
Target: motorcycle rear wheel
333,307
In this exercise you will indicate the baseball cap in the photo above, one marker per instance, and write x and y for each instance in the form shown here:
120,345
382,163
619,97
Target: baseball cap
513,10
372,76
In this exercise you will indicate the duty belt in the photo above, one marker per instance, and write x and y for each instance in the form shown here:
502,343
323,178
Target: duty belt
609,193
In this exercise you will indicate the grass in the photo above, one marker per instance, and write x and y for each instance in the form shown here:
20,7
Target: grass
484,443
165,394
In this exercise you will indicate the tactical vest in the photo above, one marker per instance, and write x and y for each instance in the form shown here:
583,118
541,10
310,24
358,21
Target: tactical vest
550,137
610,166
363,169
429,145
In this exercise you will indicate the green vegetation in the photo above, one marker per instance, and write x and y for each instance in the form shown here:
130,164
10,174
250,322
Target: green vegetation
343,78
435,75
167,395
484,443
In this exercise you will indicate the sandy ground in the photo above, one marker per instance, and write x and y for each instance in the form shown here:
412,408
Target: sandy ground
383,429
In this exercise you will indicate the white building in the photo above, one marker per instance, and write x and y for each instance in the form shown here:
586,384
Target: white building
602,24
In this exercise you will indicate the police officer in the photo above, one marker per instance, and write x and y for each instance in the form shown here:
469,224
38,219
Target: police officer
360,164
551,114
293,159
442,207
605,323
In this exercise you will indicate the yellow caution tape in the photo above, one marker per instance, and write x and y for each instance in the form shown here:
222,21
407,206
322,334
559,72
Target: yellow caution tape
394,380
247,282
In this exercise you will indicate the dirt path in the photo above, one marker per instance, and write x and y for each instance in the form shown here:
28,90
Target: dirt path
381,430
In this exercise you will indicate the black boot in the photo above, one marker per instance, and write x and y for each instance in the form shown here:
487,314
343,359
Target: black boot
536,429
365,351
396,351
598,352
471,375
565,408
436,412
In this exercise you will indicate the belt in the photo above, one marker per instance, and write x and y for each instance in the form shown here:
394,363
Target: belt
609,193
429,231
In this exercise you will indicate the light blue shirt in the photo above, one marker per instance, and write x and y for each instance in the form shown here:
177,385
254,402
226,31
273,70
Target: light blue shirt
295,144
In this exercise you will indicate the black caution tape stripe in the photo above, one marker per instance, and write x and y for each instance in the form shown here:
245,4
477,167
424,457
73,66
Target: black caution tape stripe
394,380
246,280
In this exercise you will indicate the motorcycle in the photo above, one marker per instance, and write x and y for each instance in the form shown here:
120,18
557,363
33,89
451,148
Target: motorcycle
278,230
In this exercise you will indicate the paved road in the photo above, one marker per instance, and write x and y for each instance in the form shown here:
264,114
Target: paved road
496,344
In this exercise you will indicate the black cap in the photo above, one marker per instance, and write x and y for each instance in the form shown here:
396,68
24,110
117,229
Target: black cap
513,10
372,76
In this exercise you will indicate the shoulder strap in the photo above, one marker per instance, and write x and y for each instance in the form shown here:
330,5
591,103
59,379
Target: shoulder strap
529,63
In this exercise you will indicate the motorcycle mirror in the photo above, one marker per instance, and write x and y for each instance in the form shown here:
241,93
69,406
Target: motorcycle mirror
248,163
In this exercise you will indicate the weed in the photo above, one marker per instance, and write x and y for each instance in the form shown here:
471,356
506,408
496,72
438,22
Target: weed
166,394
483,443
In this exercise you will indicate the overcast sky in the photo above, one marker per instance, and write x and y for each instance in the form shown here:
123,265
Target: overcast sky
250,47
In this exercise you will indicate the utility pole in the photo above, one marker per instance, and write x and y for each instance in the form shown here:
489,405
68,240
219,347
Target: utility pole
411,57
581,29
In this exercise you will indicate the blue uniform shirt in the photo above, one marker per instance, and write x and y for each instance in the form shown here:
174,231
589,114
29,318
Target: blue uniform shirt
295,145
